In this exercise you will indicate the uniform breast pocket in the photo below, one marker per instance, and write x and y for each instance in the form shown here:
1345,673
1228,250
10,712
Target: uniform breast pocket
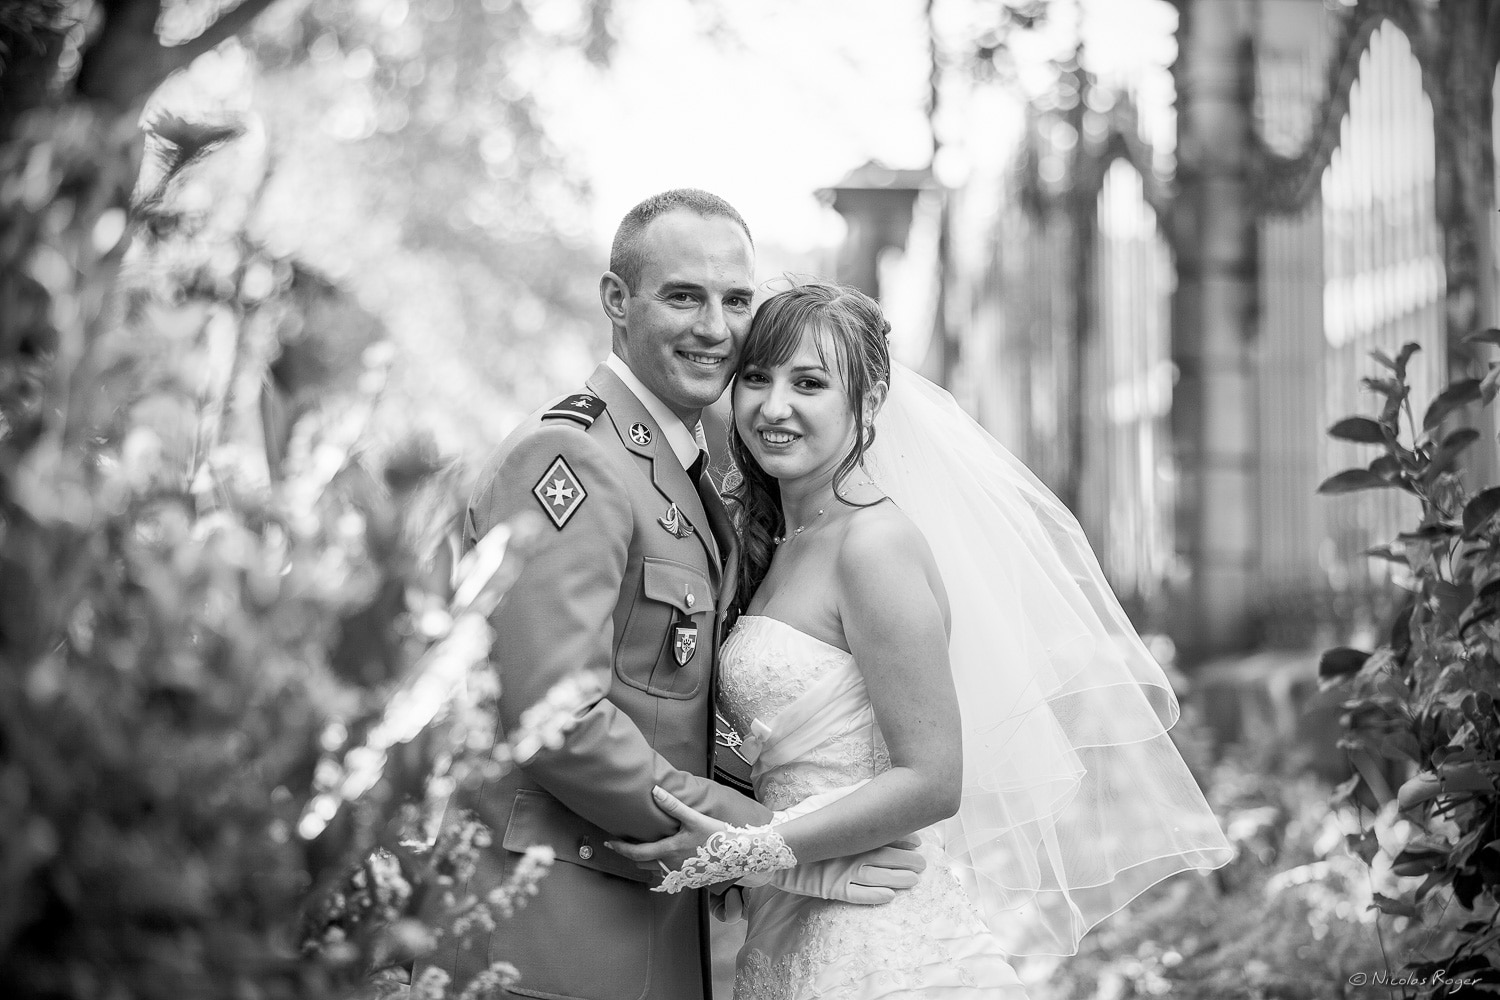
665,650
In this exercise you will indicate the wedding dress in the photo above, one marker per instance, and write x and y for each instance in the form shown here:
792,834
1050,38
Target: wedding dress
811,731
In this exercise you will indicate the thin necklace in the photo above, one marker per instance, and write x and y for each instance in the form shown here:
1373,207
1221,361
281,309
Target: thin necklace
800,528
779,539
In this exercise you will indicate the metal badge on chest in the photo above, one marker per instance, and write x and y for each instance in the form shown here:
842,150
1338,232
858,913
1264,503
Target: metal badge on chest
684,641
677,526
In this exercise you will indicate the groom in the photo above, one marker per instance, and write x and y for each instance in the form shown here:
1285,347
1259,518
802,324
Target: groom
630,588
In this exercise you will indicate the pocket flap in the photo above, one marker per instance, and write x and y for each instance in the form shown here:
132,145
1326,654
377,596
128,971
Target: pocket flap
680,586
536,818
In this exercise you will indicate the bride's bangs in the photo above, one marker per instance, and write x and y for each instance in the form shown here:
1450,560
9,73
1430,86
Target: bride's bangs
776,332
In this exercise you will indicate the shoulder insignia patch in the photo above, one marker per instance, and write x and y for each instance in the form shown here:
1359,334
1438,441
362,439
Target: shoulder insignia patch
583,407
559,492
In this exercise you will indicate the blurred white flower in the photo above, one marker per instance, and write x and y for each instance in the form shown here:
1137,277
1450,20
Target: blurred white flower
546,723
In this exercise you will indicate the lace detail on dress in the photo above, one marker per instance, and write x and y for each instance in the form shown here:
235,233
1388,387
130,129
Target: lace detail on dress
844,952
763,670
843,760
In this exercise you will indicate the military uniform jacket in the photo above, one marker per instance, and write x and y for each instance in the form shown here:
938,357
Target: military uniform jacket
634,596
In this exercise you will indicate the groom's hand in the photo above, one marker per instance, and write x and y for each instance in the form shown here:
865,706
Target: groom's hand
867,879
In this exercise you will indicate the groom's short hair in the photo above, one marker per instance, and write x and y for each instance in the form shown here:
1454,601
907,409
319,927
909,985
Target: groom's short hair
626,257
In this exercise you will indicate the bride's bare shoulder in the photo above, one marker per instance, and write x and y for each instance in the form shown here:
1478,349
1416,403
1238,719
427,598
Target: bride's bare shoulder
882,546
882,529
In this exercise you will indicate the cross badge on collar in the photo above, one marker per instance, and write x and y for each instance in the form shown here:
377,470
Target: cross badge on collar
640,434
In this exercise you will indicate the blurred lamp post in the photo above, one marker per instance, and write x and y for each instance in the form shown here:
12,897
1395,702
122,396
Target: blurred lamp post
876,203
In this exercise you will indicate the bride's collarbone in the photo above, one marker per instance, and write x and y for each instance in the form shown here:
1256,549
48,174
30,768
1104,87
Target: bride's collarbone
810,556
801,588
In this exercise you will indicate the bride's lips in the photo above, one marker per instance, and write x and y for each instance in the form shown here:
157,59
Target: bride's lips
775,439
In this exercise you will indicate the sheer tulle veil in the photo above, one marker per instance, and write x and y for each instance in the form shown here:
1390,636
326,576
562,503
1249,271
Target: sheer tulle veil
1075,799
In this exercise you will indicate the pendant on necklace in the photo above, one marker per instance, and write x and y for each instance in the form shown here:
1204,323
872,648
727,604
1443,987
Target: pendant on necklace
778,539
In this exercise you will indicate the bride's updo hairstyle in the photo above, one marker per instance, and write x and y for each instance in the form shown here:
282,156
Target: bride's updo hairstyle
851,324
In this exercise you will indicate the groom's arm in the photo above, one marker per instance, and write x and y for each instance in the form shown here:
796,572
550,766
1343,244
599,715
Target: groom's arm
557,619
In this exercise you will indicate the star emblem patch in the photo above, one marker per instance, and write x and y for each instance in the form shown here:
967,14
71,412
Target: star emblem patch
640,434
559,492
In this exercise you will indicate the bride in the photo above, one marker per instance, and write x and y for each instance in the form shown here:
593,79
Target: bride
928,645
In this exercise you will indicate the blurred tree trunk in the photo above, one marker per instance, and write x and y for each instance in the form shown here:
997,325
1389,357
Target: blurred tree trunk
1461,41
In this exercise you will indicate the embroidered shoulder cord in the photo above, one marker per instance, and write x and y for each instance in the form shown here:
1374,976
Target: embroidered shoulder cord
731,854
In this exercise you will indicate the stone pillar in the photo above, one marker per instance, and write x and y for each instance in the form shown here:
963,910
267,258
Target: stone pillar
1213,410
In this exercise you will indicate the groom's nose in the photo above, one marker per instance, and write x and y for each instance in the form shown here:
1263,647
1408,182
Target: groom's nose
712,325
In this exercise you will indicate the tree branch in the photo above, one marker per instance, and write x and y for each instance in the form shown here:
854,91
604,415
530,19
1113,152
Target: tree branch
227,26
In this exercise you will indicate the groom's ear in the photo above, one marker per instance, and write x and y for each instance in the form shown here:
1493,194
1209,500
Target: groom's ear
612,295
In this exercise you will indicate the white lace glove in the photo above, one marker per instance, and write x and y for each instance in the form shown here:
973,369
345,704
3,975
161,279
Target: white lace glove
759,856
730,854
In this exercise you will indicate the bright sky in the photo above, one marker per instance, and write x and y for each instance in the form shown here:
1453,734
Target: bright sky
794,97
791,95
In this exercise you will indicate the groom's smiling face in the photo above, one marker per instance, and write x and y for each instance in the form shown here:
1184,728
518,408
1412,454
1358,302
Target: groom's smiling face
690,309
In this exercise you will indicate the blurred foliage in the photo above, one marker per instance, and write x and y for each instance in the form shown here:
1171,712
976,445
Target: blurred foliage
220,689
235,653
400,149
409,159
989,54
1423,709
1290,917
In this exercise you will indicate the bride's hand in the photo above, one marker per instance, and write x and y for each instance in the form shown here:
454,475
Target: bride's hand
669,853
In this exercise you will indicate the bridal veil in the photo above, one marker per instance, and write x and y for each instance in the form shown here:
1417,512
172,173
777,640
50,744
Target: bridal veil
1075,799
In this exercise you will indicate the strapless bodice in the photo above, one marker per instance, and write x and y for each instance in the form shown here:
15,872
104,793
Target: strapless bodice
766,664
800,703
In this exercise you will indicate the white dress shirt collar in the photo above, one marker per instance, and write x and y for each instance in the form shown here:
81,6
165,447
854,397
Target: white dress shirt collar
683,441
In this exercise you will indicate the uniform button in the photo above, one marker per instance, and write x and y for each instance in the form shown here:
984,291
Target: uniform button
691,600
585,851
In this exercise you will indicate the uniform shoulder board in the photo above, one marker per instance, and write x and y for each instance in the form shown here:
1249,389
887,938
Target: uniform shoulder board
583,407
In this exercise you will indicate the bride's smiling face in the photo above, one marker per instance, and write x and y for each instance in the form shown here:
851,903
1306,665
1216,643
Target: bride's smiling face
795,418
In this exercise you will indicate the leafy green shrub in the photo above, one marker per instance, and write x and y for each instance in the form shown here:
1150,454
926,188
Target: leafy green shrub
1423,708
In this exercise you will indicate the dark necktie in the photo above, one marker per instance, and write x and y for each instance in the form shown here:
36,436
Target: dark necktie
713,505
